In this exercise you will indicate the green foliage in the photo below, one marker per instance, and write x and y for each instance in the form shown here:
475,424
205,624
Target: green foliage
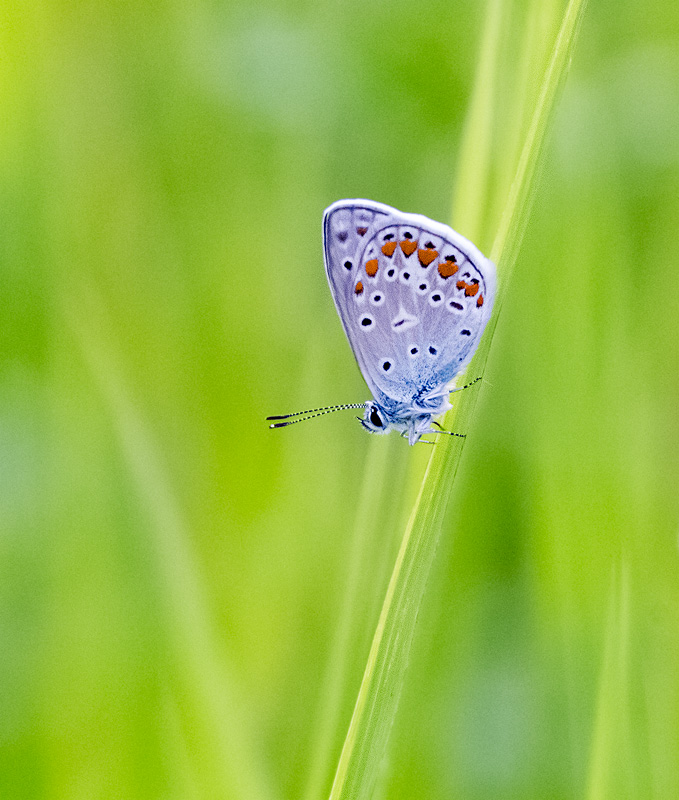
187,599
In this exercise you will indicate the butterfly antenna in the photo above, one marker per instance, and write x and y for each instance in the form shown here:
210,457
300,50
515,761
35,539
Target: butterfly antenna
310,414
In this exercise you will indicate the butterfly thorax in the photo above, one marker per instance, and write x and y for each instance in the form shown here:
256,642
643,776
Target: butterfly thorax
412,419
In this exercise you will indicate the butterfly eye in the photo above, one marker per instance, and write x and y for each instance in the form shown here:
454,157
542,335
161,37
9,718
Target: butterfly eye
435,299
367,322
413,351
423,288
391,274
386,366
433,351
348,265
375,418
377,298
404,277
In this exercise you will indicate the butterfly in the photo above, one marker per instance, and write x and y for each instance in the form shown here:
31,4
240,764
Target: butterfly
414,297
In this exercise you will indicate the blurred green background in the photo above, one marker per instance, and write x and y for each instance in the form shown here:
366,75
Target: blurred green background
172,573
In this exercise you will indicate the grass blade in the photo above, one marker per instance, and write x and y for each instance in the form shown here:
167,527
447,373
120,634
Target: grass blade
612,756
212,716
378,696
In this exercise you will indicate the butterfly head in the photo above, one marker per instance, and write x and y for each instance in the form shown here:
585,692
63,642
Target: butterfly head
377,419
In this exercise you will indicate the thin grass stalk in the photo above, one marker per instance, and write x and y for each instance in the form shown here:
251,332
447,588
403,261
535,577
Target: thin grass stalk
470,198
213,716
377,701
611,762
371,499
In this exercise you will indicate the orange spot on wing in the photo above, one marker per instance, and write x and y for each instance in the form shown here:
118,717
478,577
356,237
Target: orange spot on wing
479,302
448,268
470,289
388,249
426,256
371,267
361,231
408,246
358,289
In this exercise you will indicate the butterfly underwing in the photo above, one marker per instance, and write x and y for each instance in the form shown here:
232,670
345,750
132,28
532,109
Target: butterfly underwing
414,297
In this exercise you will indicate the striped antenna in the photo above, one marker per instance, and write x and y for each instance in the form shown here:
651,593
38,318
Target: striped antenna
310,414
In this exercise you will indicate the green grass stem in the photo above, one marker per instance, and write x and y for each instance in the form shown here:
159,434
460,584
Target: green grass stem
211,720
378,696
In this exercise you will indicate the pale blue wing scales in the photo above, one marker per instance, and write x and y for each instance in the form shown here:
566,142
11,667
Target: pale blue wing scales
413,296
454,314
348,227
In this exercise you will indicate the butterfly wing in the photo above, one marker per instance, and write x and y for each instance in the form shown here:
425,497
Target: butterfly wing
413,296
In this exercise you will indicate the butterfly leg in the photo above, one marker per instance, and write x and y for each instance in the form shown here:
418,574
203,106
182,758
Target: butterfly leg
449,433
467,385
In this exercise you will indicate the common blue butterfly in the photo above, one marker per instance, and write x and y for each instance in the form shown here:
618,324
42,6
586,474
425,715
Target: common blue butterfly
414,297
